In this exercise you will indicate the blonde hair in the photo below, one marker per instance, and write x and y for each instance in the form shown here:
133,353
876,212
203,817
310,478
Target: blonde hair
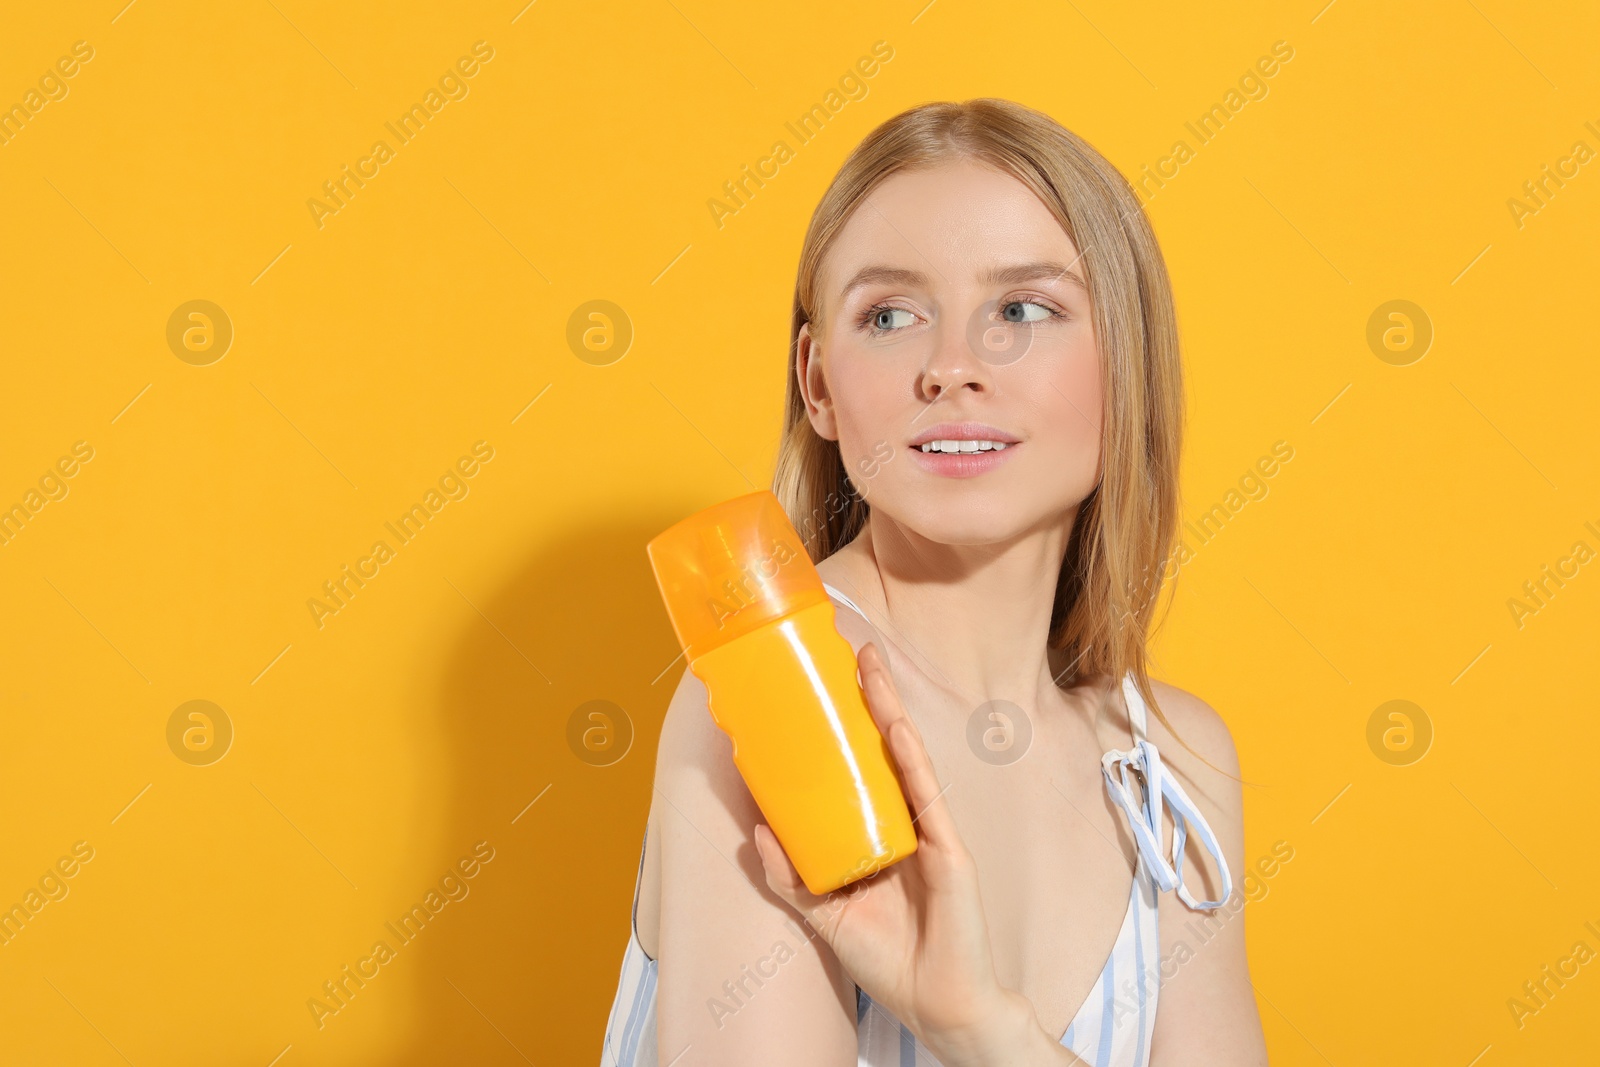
1116,557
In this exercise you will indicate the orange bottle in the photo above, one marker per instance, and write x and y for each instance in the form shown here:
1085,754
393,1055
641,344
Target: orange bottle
750,611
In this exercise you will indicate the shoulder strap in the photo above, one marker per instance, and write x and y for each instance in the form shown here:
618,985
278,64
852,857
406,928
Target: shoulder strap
1159,789
638,879
1136,709
846,601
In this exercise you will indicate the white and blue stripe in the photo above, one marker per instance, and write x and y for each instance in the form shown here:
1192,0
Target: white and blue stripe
631,1028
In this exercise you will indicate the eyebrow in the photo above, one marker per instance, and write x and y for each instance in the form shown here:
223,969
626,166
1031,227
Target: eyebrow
1022,272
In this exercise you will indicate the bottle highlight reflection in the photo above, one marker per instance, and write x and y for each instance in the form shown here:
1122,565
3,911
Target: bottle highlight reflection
750,611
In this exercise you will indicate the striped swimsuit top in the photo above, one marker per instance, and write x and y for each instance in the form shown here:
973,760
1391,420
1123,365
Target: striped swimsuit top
1113,1025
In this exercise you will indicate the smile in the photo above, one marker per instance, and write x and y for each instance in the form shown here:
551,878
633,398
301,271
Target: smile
961,461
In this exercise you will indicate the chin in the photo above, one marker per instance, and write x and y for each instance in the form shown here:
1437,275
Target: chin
980,511
964,518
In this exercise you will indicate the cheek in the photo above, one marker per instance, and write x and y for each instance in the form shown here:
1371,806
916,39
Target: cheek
1072,394
869,405
1079,382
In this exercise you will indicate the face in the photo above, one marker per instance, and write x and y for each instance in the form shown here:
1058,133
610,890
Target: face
952,309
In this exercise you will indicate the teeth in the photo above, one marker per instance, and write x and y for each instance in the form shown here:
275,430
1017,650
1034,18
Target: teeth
963,446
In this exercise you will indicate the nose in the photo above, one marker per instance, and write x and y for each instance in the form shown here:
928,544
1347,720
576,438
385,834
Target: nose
952,366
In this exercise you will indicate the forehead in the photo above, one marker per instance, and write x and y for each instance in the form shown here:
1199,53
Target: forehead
955,221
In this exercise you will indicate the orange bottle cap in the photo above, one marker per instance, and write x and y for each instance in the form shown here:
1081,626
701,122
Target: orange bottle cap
731,569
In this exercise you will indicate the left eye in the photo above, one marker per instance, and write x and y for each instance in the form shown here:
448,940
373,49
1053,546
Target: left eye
1018,311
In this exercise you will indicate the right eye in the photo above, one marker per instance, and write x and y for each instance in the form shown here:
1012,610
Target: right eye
883,318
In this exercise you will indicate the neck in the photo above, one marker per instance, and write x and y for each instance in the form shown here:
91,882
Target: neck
974,618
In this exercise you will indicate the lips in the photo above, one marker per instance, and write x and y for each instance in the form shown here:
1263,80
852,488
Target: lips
963,449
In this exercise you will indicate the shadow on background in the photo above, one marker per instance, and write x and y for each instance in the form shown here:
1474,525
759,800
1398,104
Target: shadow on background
524,967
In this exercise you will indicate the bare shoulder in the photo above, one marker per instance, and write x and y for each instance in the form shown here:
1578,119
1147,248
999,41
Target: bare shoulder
687,727
694,778
698,787
1196,722
1208,1013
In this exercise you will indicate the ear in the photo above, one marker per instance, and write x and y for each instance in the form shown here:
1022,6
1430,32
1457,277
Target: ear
813,385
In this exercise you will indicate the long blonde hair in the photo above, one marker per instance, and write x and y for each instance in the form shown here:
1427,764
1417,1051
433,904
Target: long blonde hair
1117,556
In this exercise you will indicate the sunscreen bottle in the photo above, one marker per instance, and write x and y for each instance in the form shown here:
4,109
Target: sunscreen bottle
750,612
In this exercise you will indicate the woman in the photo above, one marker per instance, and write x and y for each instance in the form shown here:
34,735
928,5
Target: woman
981,448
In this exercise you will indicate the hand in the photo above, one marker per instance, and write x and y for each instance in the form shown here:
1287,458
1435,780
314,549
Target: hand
914,934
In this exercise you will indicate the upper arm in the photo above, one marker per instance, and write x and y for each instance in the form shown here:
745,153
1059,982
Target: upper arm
740,980
1207,1011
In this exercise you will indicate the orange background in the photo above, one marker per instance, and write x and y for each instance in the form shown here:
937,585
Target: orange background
372,753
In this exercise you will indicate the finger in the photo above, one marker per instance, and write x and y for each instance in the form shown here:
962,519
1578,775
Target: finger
782,878
883,702
893,708
924,794
885,706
